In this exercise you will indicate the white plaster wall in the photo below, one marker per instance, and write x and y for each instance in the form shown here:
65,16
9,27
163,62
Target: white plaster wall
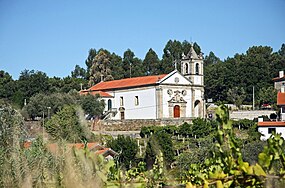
198,95
106,103
147,103
197,80
264,131
166,97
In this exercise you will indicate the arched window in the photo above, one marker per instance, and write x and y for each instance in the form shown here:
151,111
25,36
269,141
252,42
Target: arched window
109,104
197,68
186,68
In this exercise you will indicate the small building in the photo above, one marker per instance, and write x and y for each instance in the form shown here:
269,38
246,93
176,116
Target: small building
279,81
266,128
158,97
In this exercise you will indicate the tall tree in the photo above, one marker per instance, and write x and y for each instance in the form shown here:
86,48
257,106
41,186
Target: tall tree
101,68
78,72
132,65
211,59
29,84
236,96
151,63
117,66
89,61
171,52
282,50
267,95
7,85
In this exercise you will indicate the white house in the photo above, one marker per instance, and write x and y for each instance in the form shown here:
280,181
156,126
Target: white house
268,127
173,95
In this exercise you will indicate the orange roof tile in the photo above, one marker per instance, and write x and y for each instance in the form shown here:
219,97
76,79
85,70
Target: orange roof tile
101,93
128,82
278,79
271,124
102,151
280,98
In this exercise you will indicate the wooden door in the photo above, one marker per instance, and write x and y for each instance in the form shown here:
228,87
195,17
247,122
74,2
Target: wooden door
176,111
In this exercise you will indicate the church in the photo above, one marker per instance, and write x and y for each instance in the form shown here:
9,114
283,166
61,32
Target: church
168,96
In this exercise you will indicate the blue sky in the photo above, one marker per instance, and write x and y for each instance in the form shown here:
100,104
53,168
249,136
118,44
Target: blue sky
53,36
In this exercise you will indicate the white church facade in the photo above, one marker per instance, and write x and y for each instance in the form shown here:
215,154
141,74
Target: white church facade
173,95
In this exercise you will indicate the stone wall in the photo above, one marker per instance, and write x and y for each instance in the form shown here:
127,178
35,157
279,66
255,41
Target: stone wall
250,114
135,125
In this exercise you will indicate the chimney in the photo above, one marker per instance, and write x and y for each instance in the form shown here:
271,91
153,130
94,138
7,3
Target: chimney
281,74
260,119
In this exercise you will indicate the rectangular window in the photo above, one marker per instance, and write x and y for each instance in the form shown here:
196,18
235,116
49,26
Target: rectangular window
271,130
121,101
136,100
122,115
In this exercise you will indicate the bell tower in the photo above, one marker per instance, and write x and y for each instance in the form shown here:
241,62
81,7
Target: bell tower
192,67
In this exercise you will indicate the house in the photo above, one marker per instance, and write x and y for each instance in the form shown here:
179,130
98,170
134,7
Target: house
268,127
173,95
279,81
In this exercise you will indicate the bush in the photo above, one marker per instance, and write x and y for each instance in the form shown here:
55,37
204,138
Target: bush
243,124
127,149
65,125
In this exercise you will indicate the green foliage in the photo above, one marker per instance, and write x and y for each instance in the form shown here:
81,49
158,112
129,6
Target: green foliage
236,96
272,153
127,149
267,95
100,68
243,123
132,65
227,168
151,63
7,85
173,51
30,83
202,127
92,105
11,127
185,129
251,150
65,125
40,102
211,59
256,68
78,72
160,141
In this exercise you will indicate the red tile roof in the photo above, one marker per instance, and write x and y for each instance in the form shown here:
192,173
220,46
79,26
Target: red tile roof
280,98
271,124
102,151
101,93
128,82
278,79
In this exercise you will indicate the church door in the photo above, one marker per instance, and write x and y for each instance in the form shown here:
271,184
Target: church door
176,111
